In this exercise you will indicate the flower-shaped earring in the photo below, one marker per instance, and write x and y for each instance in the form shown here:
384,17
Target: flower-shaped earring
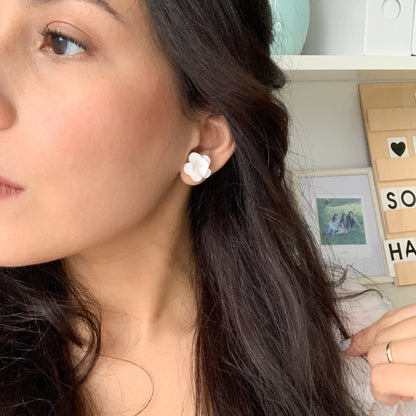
198,167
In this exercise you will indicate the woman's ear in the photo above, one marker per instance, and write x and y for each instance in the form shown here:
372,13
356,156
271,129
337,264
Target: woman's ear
216,145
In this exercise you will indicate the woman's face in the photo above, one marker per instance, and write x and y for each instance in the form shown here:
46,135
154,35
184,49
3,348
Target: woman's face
90,125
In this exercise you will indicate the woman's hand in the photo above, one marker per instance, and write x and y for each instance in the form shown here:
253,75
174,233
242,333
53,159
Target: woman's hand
395,381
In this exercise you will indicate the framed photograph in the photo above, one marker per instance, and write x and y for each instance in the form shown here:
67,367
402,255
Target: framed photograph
341,209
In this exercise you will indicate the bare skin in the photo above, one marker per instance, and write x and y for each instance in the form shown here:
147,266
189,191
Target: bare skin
91,127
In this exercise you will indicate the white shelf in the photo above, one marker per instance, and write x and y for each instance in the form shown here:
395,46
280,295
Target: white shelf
348,68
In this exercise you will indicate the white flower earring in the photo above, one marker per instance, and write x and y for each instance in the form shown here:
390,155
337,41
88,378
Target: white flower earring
198,167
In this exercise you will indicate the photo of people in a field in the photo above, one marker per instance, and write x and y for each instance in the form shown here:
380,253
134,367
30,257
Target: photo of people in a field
341,221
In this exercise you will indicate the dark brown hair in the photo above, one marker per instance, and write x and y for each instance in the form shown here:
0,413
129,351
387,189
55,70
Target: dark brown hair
265,343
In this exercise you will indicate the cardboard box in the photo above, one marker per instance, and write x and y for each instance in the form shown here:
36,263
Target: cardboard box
361,27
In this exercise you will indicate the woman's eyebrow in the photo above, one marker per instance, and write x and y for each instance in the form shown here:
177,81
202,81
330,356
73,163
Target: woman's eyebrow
103,4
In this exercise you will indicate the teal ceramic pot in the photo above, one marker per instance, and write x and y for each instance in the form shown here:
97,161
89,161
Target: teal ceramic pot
291,24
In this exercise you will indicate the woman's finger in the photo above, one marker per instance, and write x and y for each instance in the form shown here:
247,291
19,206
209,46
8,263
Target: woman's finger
363,340
389,400
401,351
406,399
390,382
398,315
400,330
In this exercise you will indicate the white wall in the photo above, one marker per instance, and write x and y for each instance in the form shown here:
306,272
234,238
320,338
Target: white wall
327,129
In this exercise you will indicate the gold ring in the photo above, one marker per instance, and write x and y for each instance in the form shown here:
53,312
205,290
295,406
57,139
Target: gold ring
388,351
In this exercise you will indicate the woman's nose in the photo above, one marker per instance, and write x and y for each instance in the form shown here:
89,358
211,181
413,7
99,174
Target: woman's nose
7,113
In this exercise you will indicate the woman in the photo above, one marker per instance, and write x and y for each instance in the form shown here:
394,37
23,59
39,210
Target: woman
152,260
342,229
351,221
333,225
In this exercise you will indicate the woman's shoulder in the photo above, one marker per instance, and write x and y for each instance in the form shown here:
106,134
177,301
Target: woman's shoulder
358,306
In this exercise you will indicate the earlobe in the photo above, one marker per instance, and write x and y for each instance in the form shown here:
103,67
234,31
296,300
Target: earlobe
216,146
198,167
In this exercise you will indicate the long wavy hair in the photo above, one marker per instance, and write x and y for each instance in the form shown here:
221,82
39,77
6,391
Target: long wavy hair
265,343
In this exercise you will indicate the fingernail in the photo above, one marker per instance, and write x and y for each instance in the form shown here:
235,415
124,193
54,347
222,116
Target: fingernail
344,345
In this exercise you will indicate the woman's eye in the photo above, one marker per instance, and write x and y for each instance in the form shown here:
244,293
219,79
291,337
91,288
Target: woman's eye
61,44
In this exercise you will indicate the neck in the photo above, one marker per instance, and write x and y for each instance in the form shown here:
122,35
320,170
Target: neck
142,280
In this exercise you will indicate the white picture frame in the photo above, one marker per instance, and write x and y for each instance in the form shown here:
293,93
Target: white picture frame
324,194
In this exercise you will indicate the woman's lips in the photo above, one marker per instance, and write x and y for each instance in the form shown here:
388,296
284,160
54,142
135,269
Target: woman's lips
9,188
7,182
7,191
